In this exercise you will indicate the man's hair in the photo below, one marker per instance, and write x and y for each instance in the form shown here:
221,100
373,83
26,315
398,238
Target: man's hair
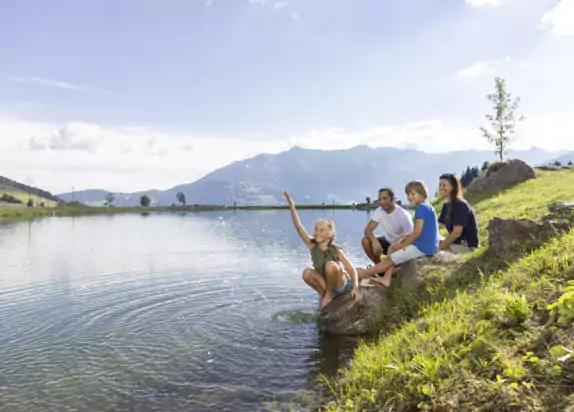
419,187
389,191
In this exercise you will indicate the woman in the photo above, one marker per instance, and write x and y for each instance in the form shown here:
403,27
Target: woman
458,217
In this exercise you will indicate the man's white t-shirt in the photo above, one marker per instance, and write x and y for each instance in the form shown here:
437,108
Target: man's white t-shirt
395,225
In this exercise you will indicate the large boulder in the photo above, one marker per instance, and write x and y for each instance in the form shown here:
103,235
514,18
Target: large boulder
344,317
506,237
503,175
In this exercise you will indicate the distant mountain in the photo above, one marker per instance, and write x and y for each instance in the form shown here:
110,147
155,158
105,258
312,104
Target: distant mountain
316,176
564,159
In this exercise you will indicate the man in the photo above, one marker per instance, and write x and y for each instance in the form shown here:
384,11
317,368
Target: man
396,222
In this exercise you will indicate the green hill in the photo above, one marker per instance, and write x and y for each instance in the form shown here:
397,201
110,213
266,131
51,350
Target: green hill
24,192
482,338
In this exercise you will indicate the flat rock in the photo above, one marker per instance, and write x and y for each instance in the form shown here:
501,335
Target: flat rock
343,317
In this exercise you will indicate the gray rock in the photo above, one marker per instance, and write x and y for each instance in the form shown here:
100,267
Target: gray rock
503,175
343,317
508,236
563,210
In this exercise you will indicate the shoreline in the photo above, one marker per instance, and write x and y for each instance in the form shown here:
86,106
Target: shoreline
11,213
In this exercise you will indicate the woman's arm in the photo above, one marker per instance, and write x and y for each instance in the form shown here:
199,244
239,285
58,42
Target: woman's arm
456,232
300,229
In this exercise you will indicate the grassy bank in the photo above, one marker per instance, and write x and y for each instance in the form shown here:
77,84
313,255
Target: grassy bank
482,337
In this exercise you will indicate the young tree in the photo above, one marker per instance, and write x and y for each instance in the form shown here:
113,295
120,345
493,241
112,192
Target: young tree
484,167
368,200
110,197
180,197
145,201
570,163
503,121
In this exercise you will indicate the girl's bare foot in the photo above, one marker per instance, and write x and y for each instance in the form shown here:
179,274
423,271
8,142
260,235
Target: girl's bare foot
325,301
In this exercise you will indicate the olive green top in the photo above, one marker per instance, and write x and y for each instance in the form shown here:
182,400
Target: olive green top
321,257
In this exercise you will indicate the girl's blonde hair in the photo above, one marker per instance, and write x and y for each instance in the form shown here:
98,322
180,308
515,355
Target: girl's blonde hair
417,186
330,225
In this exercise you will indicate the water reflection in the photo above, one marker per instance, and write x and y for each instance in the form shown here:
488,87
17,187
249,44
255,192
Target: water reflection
168,312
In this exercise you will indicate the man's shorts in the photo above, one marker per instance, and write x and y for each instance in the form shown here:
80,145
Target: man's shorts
385,244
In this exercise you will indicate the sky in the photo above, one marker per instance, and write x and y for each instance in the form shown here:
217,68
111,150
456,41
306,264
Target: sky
130,95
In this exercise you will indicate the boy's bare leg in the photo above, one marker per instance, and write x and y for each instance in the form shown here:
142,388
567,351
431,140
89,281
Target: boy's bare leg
387,267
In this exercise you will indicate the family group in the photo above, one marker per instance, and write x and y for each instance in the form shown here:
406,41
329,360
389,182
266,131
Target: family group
405,238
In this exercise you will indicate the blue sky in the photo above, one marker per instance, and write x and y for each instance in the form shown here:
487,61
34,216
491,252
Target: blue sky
141,93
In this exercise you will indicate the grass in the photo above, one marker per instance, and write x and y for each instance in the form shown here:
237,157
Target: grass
24,196
490,335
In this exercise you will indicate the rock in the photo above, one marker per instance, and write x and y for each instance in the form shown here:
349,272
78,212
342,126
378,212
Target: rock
551,168
508,236
564,210
342,317
503,175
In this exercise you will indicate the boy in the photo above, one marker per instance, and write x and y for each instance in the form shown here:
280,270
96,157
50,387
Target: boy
423,241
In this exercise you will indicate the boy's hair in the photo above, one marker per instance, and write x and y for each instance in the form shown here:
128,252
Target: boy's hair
389,191
330,224
419,187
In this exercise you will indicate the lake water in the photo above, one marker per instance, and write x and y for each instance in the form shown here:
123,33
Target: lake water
167,312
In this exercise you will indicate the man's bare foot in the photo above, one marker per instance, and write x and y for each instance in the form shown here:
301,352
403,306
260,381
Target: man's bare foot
385,281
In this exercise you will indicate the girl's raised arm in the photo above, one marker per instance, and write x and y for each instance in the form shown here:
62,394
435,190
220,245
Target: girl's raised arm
300,229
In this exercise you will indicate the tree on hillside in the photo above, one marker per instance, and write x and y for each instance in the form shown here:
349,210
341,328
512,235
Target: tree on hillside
30,202
570,163
469,175
109,200
484,167
557,163
180,197
368,200
145,201
503,121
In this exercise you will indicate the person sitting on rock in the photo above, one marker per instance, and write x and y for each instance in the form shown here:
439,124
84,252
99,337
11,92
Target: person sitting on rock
332,273
395,221
458,217
423,241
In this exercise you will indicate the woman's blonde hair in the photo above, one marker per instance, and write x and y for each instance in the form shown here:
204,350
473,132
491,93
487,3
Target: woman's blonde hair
419,187
330,225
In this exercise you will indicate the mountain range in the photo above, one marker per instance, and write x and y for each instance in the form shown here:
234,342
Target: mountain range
316,176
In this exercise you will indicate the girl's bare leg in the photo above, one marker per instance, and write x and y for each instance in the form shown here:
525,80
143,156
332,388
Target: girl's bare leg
315,280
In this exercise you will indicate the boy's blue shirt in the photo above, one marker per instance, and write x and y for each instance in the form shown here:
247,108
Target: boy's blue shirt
428,241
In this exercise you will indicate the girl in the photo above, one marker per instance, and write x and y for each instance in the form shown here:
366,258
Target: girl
331,267
422,241
458,218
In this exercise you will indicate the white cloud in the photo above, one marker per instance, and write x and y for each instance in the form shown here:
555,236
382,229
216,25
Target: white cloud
59,84
295,16
281,4
132,158
560,19
482,3
260,2
208,3
481,68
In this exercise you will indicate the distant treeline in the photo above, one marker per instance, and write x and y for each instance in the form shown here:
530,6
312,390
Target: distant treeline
29,189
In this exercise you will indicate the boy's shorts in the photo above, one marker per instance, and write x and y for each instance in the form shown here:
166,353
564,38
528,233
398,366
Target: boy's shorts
404,255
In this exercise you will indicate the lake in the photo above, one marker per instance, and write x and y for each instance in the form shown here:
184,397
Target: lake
166,312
